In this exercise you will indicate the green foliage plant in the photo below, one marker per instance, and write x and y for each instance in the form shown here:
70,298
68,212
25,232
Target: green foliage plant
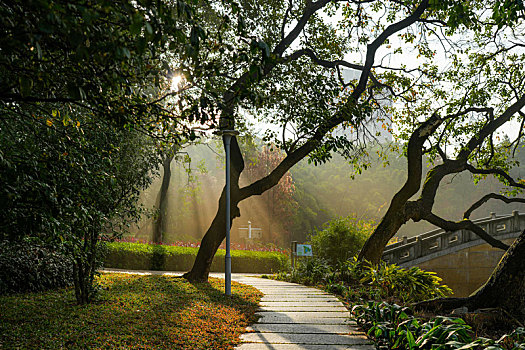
340,239
29,267
393,327
357,281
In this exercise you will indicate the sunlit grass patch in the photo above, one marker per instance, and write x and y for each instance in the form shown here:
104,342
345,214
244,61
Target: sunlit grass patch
160,312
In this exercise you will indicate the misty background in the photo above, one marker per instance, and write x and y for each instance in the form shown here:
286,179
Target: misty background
306,198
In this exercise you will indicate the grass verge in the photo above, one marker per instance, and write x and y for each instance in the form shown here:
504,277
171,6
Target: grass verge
134,312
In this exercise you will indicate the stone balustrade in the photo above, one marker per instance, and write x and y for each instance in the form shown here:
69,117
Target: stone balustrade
436,243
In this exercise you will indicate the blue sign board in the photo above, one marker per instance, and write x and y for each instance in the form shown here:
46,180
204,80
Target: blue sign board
304,250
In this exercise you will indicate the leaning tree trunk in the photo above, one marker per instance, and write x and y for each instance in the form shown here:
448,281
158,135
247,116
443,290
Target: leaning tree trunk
400,209
162,200
506,286
374,246
504,289
217,230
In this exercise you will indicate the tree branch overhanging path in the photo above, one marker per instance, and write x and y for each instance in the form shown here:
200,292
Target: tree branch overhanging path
347,112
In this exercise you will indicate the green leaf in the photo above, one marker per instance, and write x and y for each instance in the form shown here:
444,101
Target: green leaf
265,49
26,85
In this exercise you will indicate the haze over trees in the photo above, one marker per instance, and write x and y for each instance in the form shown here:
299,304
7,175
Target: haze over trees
320,193
85,93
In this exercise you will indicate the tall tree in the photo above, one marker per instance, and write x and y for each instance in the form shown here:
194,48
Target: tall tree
159,225
471,102
291,81
80,81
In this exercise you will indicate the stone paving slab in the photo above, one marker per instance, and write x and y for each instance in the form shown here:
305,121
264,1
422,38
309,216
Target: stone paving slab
303,308
312,339
301,302
303,328
307,298
305,314
285,319
292,291
259,346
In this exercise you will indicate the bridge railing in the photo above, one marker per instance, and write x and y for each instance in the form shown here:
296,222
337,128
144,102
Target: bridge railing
439,240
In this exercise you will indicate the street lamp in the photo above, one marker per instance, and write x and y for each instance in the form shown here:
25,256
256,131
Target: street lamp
226,137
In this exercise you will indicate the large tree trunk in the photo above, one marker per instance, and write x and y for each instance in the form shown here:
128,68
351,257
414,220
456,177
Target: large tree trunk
217,230
506,286
504,289
374,246
400,209
159,226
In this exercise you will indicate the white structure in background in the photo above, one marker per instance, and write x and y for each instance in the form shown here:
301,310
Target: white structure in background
251,232
379,124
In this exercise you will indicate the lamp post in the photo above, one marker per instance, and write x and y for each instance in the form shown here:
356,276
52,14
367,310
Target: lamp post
226,137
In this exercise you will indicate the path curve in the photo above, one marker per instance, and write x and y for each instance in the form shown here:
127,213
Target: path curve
293,317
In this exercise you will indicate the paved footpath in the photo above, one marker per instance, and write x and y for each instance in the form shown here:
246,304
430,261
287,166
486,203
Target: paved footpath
294,317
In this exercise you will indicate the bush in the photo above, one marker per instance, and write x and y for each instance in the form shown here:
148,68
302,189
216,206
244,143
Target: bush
139,256
314,271
30,267
392,327
356,281
340,239
406,285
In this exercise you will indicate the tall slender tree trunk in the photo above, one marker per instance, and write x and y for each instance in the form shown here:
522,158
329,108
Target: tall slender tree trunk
159,226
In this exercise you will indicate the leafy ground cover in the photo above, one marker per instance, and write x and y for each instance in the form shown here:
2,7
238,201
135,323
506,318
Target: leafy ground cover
134,312
380,295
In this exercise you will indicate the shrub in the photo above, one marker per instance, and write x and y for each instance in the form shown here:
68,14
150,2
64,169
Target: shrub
312,271
31,267
138,256
356,281
407,285
392,327
340,239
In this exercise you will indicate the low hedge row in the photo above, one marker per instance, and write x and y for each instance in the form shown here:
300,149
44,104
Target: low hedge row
139,256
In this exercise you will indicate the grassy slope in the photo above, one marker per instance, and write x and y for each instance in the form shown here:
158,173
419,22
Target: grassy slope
143,312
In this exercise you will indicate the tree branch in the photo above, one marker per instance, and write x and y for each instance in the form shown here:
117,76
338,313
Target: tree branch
486,198
465,225
495,171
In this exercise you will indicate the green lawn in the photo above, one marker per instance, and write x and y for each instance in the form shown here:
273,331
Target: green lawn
138,312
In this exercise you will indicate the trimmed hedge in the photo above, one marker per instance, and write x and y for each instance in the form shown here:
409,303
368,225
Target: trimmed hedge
139,256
